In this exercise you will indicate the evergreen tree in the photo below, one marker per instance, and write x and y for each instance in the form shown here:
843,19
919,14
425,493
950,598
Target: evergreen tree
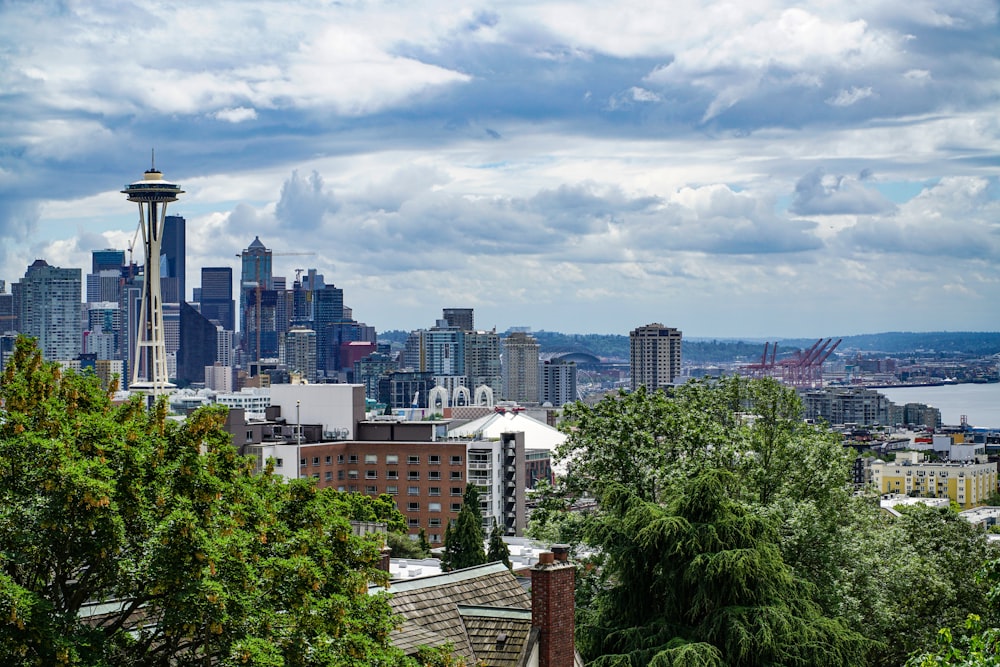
425,546
464,540
498,552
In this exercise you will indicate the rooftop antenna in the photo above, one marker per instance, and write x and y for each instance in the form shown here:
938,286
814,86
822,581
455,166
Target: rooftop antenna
152,158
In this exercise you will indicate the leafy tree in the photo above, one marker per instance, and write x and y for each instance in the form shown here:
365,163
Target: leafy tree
463,545
498,552
128,538
425,546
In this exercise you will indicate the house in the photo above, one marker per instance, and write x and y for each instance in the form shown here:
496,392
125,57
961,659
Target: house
489,617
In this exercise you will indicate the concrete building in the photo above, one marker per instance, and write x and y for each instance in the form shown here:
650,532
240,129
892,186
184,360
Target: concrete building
847,405
968,484
49,305
520,368
482,362
220,378
557,382
655,356
300,352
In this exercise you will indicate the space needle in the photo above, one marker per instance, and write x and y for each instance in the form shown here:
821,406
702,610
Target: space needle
149,358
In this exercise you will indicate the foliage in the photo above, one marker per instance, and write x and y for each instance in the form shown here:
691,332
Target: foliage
463,540
498,552
425,546
553,519
402,546
191,557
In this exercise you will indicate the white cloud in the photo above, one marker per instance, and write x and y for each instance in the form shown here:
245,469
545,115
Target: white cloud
846,98
236,115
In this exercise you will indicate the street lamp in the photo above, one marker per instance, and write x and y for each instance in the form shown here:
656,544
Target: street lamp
298,438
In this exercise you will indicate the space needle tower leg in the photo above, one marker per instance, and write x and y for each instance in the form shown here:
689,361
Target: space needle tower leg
149,358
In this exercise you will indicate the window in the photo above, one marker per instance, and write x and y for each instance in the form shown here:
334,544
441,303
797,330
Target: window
414,522
413,490
340,475
435,537
392,474
392,459
353,458
352,474
371,474
340,458
279,463
412,459
372,490
371,458
434,460
328,460
315,460
434,474
434,522
250,436
456,490
456,474
456,507
392,490
315,475
329,475
341,488
413,507
456,460
413,474
434,507
302,462
435,491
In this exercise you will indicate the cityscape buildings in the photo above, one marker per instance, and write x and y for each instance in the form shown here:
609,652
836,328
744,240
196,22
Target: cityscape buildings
216,296
655,356
48,302
520,368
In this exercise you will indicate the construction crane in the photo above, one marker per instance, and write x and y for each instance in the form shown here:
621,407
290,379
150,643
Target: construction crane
257,292
804,369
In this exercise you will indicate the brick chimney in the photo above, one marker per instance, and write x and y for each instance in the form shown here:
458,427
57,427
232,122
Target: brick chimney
552,607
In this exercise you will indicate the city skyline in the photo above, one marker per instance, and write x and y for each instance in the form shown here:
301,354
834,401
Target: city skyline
735,171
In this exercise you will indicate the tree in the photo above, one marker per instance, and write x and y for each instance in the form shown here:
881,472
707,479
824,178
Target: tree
498,552
425,546
128,538
463,546
700,580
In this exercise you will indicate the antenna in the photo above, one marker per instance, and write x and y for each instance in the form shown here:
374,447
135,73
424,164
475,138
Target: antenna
152,158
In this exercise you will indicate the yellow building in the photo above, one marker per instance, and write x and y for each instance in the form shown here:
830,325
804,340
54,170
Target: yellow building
969,484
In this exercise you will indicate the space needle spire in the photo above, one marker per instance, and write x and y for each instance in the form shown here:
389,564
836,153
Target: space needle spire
149,356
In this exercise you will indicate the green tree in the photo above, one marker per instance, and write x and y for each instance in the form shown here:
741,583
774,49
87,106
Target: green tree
498,552
425,546
128,538
463,545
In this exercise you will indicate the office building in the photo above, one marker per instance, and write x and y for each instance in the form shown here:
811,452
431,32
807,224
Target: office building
258,303
482,362
655,355
49,309
216,296
8,314
198,341
520,368
172,259
300,352
108,259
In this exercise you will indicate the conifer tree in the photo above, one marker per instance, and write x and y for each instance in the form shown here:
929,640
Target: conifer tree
464,540
498,552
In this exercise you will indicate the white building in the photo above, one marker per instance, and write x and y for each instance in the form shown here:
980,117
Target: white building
338,407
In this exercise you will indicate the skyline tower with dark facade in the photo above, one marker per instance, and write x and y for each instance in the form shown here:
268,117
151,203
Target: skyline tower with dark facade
173,263
655,356
217,302
258,303
461,318
149,359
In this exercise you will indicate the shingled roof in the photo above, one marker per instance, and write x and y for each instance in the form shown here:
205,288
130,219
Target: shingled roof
482,610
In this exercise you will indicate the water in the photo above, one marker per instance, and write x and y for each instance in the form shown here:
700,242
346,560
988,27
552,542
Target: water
979,402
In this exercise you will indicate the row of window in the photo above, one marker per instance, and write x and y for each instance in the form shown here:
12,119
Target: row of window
390,459
412,475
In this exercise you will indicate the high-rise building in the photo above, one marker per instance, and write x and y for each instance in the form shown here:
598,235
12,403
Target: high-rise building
258,303
108,259
197,349
482,360
557,380
216,296
8,315
460,318
172,258
520,367
300,352
49,309
655,356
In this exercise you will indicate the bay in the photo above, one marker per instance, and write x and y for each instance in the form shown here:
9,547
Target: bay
980,403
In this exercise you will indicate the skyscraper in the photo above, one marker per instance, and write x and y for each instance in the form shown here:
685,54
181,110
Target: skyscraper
172,259
197,349
108,259
217,296
300,352
49,309
482,360
258,303
520,367
655,353
557,380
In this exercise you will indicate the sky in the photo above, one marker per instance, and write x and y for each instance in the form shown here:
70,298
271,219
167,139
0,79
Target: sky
750,169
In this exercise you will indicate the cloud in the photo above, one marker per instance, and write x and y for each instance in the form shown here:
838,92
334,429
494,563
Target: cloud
304,202
237,115
846,98
819,194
